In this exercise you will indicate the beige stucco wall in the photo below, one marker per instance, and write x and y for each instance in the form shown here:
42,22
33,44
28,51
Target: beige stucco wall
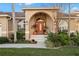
4,25
74,25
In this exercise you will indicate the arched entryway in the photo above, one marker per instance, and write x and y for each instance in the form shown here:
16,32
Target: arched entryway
40,24
45,18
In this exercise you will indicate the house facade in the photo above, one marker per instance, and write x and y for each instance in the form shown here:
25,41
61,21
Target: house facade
4,25
38,22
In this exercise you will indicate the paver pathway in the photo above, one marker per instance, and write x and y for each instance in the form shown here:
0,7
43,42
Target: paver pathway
38,45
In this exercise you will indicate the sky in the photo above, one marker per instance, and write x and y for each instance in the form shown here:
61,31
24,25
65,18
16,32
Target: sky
6,7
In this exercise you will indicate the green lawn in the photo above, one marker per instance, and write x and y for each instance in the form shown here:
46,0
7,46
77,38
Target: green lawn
38,52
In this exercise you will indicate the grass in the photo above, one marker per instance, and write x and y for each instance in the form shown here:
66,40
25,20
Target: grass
39,52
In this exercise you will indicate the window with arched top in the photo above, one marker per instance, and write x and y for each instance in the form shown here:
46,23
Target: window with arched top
63,25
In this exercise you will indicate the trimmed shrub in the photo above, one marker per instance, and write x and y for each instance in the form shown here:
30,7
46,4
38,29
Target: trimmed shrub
49,44
77,39
53,37
58,39
74,39
3,40
20,35
63,38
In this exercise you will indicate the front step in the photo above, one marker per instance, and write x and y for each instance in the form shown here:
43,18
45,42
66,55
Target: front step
39,38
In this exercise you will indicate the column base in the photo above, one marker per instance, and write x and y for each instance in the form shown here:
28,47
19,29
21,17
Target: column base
27,37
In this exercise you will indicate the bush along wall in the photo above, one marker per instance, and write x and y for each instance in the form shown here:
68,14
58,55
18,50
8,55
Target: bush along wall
20,35
3,40
74,39
62,39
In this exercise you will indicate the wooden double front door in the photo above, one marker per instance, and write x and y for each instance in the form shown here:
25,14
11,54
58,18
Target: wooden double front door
40,27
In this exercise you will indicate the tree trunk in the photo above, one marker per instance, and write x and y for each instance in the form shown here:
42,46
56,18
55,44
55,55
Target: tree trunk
14,22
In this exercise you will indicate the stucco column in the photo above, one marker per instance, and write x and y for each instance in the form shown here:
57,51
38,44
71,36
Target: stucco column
55,22
27,29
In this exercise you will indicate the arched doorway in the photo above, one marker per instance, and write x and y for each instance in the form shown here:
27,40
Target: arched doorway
40,24
40,27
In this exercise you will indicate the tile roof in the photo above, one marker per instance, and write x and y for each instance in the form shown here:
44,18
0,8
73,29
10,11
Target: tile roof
17,14
21,14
